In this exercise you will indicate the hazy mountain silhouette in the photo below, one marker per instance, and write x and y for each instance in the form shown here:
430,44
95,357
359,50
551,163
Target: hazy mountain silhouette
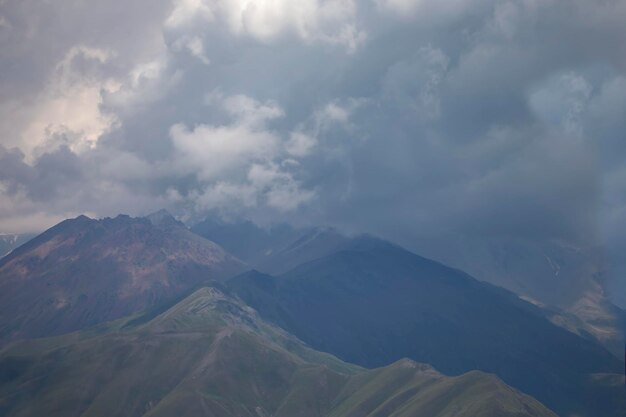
372,303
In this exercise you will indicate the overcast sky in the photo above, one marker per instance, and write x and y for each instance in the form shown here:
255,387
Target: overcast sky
406,118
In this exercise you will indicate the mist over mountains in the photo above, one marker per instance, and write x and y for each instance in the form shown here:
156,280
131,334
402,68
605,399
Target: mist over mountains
313,208
471,121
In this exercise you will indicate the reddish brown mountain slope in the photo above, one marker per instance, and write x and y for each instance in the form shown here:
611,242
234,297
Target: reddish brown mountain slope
84,271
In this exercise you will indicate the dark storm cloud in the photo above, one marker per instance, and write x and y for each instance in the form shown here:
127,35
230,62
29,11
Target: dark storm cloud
404,118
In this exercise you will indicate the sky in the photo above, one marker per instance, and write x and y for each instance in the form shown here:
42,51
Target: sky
411,119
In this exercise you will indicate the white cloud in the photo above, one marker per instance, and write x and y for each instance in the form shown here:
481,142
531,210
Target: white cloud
194,45
300,144
144,84
69,107
561,102
327,21
223,194
250,112
278,187
406,8
265,185
218,154
335,113
213,151
185,12
266,19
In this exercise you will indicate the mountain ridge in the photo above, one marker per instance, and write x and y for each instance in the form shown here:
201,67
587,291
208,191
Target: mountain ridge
211,355
85,271
371,306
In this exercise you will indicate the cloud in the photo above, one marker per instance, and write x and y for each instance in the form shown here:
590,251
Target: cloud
328,21
561,102
414,84
411,119
312,20
218,155
279,187
68,108
215,151
185,12
300,144
407,8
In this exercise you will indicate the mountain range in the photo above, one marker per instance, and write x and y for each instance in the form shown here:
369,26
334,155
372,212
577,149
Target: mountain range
83,271
146,317
372,302
572,278
566,280
210,355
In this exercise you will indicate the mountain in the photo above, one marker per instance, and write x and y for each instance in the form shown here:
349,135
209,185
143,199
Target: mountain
565,280
552,273
246,240
594,317
210,355
569,278
372,303
274,249
310,245
8,242
85,271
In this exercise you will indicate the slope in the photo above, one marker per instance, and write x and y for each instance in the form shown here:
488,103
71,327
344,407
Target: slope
372,303
85,271
274,249
209,355
570,278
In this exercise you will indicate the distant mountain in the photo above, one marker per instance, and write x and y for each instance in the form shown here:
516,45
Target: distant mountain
312,244
275,249
372,303
210,355
567,281
594,317
551,273
8,242
84,271
247,241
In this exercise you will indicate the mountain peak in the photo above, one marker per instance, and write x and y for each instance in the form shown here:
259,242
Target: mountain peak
207,307
163,218
82,272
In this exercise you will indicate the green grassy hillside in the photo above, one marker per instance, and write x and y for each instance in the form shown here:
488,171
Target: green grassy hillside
210,355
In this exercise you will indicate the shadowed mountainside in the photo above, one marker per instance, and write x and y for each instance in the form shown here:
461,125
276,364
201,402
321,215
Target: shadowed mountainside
246,240
566,280
572,279
372,303
275,249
